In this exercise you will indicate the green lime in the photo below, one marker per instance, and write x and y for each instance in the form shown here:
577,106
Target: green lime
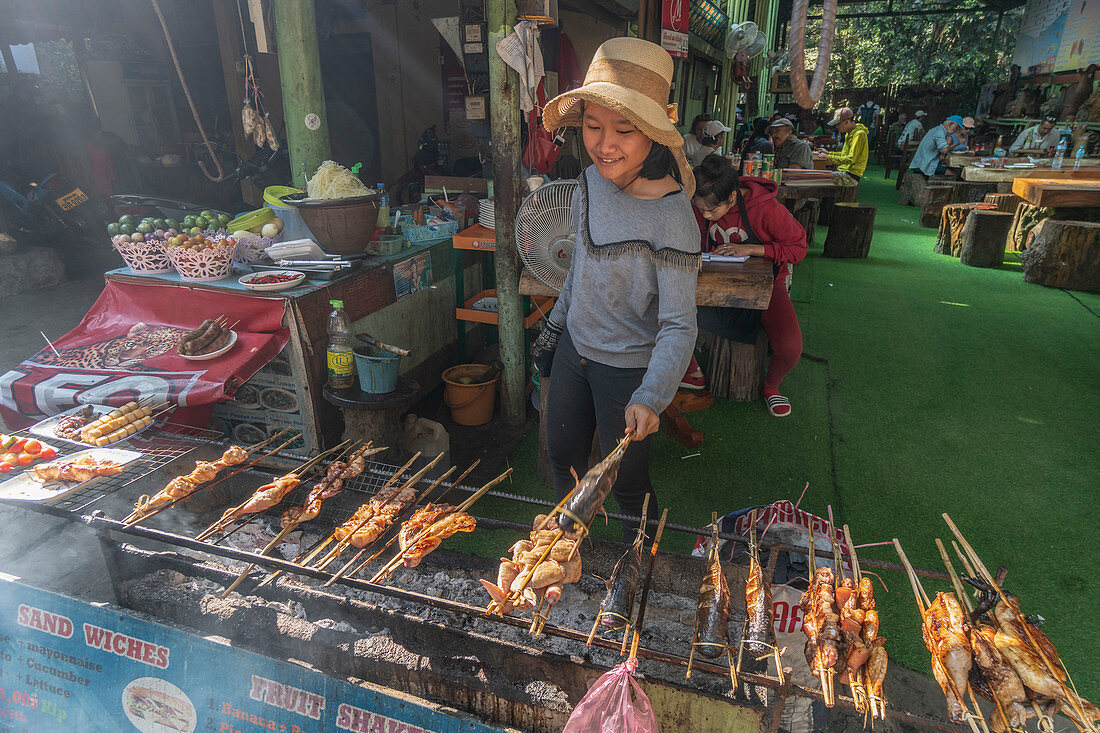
208,214
172,224
188,222
223,219
113,229
126,219
146,220
126,228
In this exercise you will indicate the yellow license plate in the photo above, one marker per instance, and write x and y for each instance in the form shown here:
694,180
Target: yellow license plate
72,199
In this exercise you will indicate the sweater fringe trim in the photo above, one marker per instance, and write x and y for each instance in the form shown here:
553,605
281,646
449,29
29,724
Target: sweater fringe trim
664,258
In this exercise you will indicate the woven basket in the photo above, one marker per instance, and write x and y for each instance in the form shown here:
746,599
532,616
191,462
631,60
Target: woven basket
203,265
149,258
251,249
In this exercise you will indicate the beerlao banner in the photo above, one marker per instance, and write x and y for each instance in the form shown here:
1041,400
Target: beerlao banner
674,28
125,349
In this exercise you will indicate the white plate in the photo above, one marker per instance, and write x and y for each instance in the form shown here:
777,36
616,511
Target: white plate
271,287
279,400
213,354
1020,165
24,488
45,428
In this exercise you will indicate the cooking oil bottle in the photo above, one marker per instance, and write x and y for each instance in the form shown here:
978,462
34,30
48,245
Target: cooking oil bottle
341,361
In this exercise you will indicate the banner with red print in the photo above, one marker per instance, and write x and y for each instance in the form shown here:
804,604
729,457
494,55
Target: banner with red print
125,349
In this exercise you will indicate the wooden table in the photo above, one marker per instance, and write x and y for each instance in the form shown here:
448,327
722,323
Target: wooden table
724,285
1050,193
978,174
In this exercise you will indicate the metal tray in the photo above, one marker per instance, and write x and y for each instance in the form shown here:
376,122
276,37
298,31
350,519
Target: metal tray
25,488
44,428
312,273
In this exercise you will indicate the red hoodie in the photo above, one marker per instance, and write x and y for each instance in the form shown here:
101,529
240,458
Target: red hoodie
783,238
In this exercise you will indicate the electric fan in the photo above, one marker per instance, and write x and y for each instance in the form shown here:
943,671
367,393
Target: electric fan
745,37
545,234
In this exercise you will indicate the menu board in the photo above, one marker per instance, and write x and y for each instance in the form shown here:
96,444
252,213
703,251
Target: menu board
70,666
1057,35
1080,44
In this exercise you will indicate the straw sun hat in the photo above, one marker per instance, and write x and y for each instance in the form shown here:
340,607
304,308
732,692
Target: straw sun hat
632,77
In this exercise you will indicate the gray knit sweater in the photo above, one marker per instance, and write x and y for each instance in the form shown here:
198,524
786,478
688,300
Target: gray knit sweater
629,298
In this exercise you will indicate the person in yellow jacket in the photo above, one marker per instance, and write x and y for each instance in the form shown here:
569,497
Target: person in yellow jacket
852,158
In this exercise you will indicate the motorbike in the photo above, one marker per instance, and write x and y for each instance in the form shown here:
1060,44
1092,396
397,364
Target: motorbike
46,207
410,187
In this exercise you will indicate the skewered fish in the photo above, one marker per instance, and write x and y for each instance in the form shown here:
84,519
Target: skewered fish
712,617
998,677
618,605
591,491
441,521
82,469
945,631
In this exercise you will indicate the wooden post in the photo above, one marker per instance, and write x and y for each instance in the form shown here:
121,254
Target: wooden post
851,230
1064,254
229,47
504,122
910,188
983,236
303,94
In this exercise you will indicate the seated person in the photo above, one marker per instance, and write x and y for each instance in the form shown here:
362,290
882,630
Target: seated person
852,158
1037,138
913,130
933,148
714,136
960,141
741,216
757,141
694,139
790,151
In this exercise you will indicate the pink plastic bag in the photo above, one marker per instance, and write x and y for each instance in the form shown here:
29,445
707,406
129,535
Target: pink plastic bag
615,703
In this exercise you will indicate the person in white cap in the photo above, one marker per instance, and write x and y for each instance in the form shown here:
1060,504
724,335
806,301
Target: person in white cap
913,131
622,332
714,136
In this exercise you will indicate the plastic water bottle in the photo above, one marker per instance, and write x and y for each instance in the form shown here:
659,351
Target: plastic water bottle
1059,154
1078,156
999,150
341,361
383,207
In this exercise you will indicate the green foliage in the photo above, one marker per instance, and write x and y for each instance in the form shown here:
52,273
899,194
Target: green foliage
962,51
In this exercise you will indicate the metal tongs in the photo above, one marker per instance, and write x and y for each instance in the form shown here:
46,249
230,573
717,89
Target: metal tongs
372,341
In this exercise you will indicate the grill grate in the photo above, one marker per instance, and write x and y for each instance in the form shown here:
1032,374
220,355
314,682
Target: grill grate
159,447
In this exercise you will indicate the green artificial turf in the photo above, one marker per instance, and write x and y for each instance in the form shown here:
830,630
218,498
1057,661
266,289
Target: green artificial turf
935,388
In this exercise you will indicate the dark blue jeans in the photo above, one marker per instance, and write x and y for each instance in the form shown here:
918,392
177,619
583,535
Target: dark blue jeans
586,396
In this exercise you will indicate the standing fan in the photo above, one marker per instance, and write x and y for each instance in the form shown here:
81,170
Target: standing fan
545,234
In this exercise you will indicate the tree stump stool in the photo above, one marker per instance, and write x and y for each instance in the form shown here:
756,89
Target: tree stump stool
851,231
935,198
825,210
983,237
968,192
806,215
374,416
911,191
951,224
1064,254
1025,218
1006,202
735,370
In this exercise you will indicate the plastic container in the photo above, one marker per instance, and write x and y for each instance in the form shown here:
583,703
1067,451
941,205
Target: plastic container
429,232
341,365
378,369
471,404
293,225
429,438
386,244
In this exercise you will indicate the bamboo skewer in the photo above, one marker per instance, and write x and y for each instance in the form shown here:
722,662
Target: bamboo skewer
1069,691
138,520
457,482
389,567
645,586
219,525
343,544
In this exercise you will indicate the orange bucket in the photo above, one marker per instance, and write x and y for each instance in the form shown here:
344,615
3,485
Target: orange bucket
470,400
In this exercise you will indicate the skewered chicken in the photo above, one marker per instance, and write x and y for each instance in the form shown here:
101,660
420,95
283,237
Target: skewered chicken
821,622
82,469
441,521
875,671
945,631
264,498
183,486
997,676
375,516
332,484
544,580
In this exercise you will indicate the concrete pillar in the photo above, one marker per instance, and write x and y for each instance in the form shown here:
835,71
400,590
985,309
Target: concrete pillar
303,93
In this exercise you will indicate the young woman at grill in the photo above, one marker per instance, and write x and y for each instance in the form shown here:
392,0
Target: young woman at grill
623,328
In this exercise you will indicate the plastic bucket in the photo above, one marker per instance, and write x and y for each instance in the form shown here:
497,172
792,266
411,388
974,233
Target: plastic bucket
377,369
471,404
293,225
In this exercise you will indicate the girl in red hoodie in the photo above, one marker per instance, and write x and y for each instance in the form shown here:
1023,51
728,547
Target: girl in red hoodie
738,217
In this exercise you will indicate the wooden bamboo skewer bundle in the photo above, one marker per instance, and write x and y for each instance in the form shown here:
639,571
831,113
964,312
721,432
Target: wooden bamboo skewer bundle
457,482
876,704
645,586
922,606
304,469
1069,691
859,691
345,543
290,527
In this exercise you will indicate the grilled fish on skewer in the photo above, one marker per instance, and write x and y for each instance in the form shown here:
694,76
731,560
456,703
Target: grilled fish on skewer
760,610
442,520
618,605
712,617
591,491
945,631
